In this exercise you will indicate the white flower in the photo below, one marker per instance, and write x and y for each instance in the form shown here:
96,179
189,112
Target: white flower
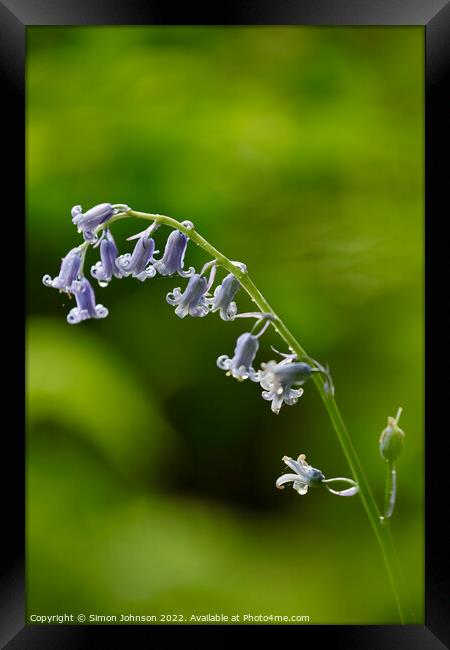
306,476
278,378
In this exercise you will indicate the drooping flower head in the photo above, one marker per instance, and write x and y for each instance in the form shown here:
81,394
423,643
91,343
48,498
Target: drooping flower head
137,264
223,300
103,270
192,301
306,476
277,381
68,274
240,365
86,307
173,259
88,221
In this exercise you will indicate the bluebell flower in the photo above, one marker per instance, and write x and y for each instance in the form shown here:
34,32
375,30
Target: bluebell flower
223,298
310,369
86,307
173,259
306,476
193,300
107,266
88,221
68,274
137,264
278,378
240,365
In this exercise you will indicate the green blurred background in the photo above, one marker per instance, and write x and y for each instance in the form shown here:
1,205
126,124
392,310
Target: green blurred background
150,475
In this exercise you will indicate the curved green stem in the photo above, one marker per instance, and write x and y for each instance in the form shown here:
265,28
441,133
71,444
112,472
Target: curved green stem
379,527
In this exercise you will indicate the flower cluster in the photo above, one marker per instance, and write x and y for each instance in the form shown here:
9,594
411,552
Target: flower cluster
281,381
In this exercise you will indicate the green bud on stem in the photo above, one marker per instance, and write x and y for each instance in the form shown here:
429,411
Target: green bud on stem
391,440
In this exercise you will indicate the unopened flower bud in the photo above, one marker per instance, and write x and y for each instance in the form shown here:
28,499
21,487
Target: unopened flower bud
391,440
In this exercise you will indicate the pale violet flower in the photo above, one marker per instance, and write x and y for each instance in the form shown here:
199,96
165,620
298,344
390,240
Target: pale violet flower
137,264
173,259
107,266
192,301
240,365
277,380
86,307
87,222
223,298
306,476
68,274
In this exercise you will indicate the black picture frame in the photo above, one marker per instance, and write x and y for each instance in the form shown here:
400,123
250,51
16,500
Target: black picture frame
434,16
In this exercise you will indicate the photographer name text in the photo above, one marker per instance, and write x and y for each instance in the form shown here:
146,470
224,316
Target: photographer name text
61,619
